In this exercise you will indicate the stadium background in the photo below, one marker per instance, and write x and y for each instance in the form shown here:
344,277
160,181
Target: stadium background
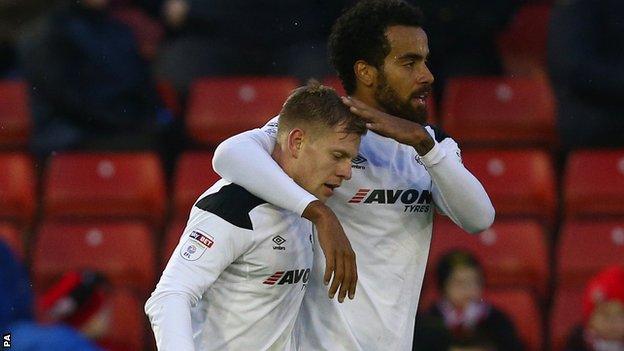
560,213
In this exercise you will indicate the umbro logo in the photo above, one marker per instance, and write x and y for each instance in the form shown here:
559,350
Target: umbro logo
279,241
357,161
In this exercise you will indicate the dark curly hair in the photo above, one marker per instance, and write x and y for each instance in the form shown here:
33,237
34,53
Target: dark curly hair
359,34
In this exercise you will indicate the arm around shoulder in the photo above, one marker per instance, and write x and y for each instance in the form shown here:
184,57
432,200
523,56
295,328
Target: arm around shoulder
245,159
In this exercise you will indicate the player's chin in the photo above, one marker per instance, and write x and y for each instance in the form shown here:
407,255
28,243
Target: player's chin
327,190
418,113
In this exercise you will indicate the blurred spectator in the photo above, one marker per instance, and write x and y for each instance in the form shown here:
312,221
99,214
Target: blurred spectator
79,300
16,313
90,87
241,37
603,314
586,64
461,313
16,298
13,15
462,36
148,31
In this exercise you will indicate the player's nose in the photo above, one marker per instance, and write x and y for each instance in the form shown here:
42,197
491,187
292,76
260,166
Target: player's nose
425,76
344,170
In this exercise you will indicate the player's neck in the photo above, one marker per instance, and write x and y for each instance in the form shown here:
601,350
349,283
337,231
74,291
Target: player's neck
277,155
283,160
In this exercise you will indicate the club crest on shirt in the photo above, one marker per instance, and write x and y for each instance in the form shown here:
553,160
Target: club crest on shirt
195,246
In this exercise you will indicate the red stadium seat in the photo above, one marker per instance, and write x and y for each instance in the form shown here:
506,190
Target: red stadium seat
334,82
193,176
594,184
17,188
522,44
499,110
521,308
221,107
520,183
172,237
84,186
565,315
15,122
126,329
513,253
124,252
11,236
585,248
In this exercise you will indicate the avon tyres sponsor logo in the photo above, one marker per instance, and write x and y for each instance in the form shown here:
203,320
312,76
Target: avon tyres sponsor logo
412,199
289,277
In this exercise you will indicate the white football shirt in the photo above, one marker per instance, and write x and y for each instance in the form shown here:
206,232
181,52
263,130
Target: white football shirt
387,212
237,278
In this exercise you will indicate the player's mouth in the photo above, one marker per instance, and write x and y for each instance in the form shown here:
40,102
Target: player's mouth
329,187
421,99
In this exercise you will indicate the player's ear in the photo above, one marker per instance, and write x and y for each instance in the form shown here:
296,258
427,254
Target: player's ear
365,73
295,142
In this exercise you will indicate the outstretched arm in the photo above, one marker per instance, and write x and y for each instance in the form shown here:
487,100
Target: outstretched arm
245,159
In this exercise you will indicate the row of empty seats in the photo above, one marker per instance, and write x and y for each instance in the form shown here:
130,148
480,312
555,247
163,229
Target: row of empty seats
514,252
475,110
521,183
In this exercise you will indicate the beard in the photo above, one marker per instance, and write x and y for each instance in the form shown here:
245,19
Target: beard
392,104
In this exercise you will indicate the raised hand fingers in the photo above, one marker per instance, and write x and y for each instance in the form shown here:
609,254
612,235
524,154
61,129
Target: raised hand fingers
359,108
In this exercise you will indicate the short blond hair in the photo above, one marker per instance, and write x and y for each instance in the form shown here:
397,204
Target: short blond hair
320,106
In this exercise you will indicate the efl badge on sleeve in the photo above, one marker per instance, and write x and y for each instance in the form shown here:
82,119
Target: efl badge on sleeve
196,245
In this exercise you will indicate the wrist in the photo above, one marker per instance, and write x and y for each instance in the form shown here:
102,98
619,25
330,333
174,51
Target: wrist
433,157
316,211
423,142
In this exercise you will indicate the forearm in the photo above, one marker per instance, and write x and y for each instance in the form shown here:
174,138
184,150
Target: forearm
244,159
170,317
458,192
